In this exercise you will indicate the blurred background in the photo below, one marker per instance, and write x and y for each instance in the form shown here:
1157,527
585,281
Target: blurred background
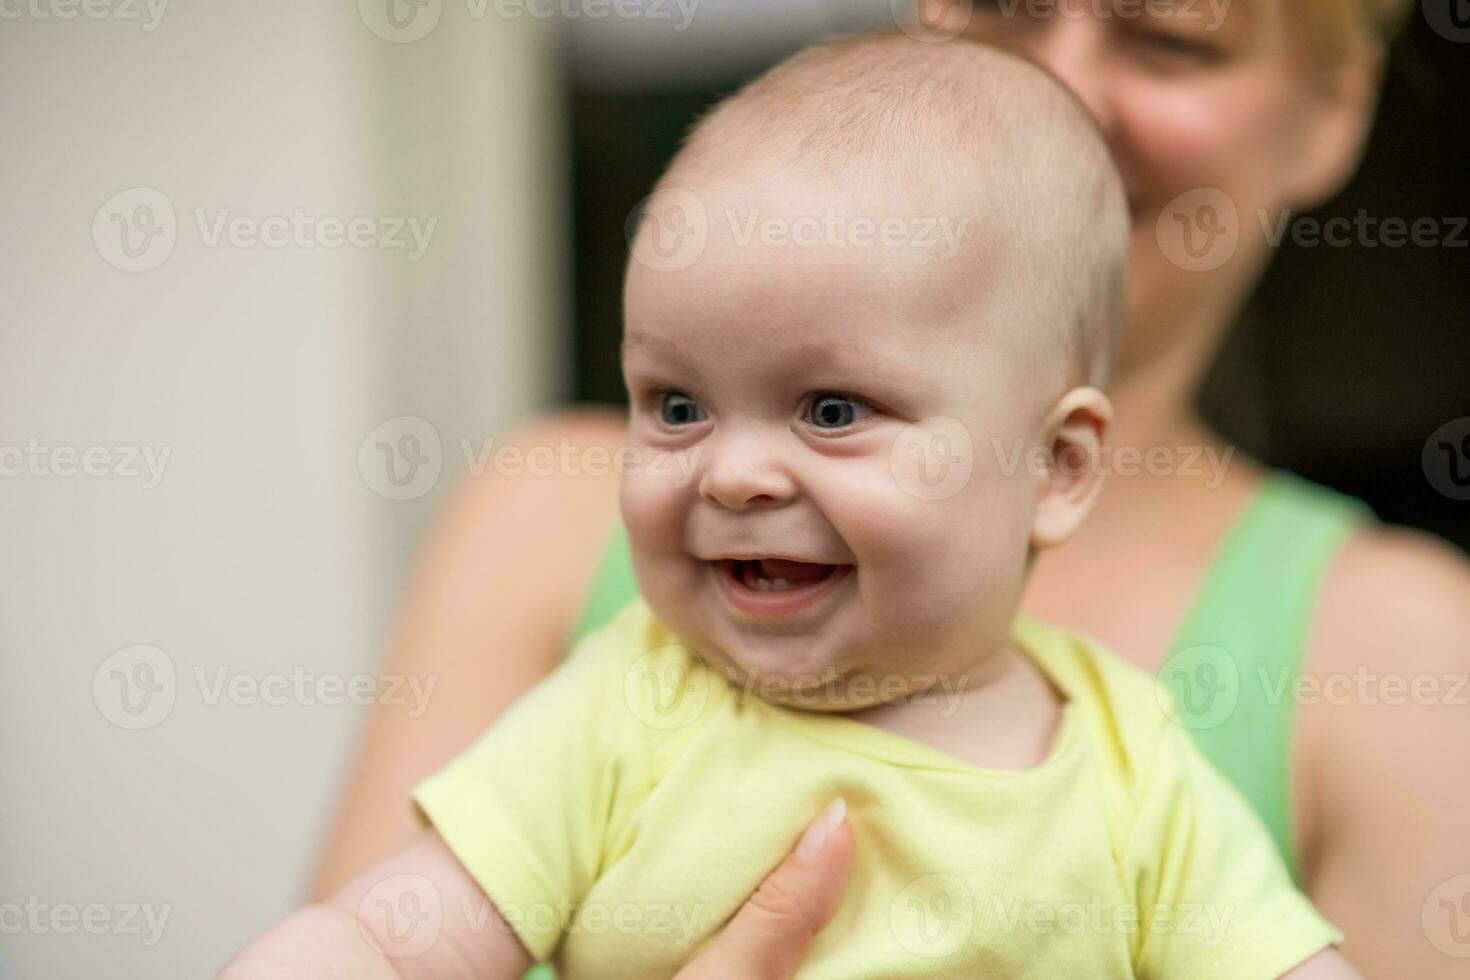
256,256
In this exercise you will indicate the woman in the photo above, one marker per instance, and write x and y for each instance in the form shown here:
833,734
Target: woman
1196,571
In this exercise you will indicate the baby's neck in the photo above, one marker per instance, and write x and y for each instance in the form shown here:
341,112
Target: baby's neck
1004,717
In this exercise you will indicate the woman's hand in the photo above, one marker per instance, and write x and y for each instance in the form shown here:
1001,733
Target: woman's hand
774,930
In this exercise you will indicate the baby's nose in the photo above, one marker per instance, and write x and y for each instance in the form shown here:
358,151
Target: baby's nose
744,471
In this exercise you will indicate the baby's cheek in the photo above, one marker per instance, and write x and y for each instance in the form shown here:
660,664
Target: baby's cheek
648,506
937,560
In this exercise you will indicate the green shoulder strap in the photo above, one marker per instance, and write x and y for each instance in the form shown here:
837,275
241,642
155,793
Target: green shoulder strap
1235,661
613,587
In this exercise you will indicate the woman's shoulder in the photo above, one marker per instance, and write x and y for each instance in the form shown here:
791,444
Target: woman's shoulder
1383,718
1381,582
1391,596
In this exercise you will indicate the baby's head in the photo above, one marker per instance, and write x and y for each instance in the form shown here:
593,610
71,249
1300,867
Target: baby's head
869,312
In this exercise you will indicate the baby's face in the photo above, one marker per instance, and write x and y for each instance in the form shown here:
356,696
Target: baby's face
864,411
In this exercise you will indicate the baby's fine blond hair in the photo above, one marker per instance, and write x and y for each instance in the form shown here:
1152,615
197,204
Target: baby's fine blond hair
884,110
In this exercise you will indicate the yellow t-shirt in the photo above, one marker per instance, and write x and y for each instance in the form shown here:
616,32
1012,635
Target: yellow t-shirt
623,811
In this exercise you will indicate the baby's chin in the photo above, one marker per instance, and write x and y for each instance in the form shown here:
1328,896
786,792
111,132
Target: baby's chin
816,688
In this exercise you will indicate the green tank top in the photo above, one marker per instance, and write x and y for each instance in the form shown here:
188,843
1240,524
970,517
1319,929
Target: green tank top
1237,652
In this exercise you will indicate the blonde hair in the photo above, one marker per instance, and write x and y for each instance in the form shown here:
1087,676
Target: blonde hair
1331,29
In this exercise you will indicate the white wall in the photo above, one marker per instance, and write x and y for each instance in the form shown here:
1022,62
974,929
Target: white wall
258,370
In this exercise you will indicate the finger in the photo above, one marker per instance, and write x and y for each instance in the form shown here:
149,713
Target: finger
774,930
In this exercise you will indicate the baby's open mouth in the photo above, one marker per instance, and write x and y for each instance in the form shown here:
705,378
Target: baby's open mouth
767,588
775,574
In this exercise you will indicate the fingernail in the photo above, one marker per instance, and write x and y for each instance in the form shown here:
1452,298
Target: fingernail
821,828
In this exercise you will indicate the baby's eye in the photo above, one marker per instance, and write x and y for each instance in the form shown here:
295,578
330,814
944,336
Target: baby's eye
677,408
831,410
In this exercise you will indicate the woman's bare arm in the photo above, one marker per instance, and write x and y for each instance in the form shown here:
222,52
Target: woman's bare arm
1379,773
453,930
489,612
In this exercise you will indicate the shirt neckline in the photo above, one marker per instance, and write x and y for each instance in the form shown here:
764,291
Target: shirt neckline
840,731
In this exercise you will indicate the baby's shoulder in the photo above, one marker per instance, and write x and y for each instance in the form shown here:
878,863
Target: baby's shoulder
1125,711
663,686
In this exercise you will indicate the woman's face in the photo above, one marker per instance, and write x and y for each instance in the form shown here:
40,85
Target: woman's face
1214,122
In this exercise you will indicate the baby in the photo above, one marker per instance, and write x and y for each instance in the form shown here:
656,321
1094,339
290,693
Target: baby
868,319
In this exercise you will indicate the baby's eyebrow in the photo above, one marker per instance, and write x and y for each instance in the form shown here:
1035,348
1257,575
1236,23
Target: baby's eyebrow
632,341
869,364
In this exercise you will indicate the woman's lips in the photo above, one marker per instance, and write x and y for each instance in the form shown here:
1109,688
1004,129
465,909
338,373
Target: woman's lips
807,584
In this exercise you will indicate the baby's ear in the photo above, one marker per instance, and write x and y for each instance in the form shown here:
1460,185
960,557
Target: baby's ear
1074,435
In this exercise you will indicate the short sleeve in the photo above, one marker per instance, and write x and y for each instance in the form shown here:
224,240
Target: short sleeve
1214,898
528,808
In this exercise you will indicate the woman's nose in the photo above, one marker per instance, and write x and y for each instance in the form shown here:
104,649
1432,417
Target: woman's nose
741,471
1075,49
